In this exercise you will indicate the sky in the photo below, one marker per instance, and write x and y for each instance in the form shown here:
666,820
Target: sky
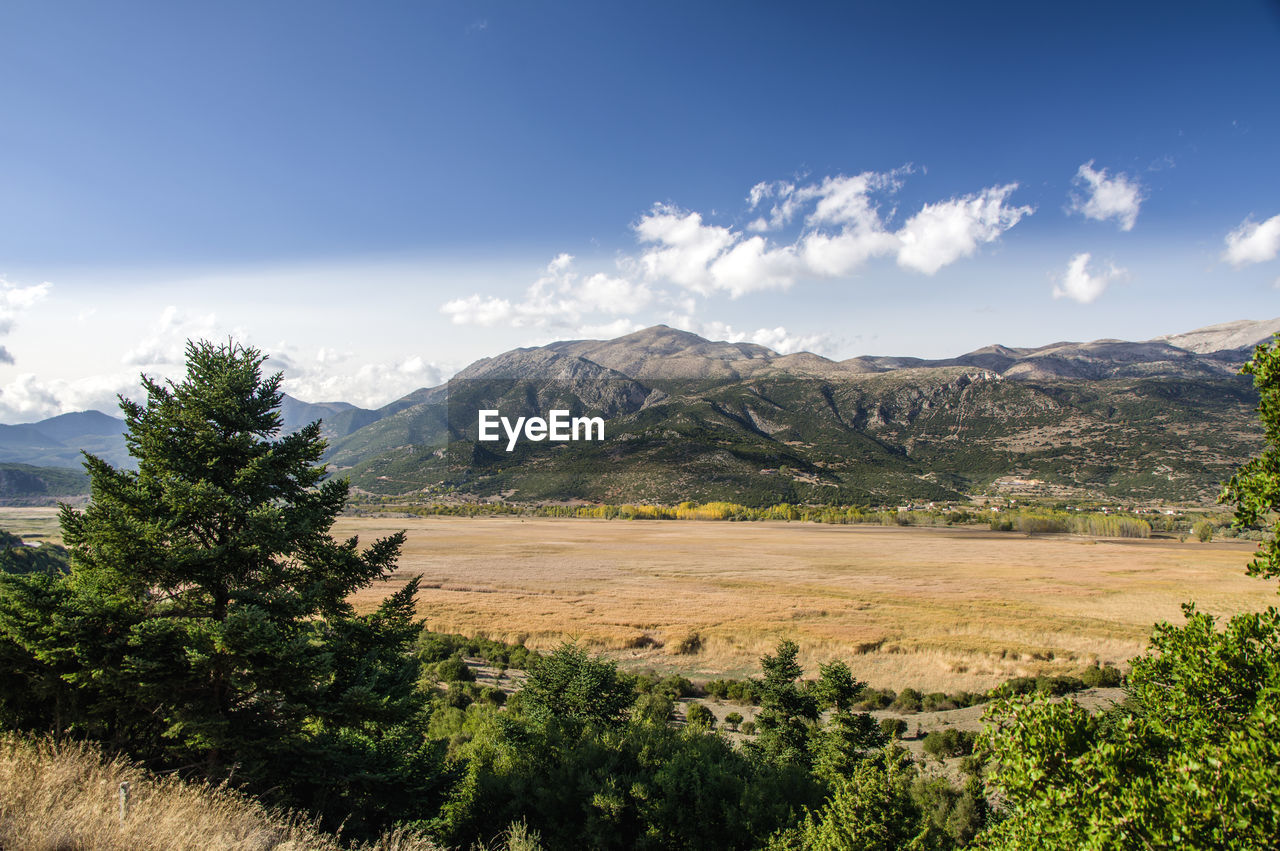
377,194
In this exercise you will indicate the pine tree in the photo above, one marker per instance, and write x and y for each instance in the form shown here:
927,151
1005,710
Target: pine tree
205,624
787,712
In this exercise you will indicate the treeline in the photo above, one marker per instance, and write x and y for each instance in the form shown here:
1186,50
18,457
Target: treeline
1098,525
911,700
1026,520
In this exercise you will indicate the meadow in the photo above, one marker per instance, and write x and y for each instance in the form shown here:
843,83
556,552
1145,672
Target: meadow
949,608
936,608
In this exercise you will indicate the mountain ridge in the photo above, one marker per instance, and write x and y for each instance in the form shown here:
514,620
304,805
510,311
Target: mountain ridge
696,418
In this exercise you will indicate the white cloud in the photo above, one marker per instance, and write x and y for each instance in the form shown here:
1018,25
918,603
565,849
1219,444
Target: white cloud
314,379
782,212
842,254
779,339
478,310
843,228
1118,197
14,300
942,233
684,246
166,345
609,330
368,385
1081,285
27,398
1253,242
750,266
327,375
561,297
846,200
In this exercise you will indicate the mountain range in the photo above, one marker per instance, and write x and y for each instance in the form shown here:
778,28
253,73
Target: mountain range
689,418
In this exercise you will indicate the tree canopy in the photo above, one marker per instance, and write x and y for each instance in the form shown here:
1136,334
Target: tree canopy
1192,758
205,623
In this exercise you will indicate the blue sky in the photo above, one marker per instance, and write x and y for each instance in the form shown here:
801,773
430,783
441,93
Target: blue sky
377,194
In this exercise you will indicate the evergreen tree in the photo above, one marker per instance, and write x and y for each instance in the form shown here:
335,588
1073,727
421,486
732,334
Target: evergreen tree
571,690
205,623
848,735
787,712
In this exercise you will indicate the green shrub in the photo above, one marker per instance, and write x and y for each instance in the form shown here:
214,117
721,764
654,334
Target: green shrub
653,707
908,700
949,742
872,699
894,728
1058,686
698,715
1095,677
454,670
938,702
460,695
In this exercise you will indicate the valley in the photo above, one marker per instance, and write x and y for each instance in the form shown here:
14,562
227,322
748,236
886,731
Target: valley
935,608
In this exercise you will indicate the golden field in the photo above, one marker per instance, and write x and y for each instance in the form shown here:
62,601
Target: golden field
934,608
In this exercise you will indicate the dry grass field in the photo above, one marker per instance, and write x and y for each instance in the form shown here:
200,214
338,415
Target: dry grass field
58,796
934,608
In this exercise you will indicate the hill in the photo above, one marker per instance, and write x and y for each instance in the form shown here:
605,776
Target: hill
689,418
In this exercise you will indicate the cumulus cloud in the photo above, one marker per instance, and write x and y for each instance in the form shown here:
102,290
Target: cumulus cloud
1253,242
778,338
478,310
166,344
683,247
844,229
844,222
1081,285
15,299
1104,197
28,398
560,298
942,233
368,385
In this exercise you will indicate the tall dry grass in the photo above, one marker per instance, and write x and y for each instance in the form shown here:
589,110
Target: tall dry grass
64,796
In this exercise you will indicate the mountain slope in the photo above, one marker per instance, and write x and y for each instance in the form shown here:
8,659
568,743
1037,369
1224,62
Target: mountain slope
690,418
693,419
1240,335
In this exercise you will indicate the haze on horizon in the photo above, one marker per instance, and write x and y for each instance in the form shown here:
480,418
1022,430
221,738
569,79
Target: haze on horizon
378,196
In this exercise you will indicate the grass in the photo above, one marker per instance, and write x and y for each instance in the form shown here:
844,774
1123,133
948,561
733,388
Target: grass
32,523
944,609
936,608
65,796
